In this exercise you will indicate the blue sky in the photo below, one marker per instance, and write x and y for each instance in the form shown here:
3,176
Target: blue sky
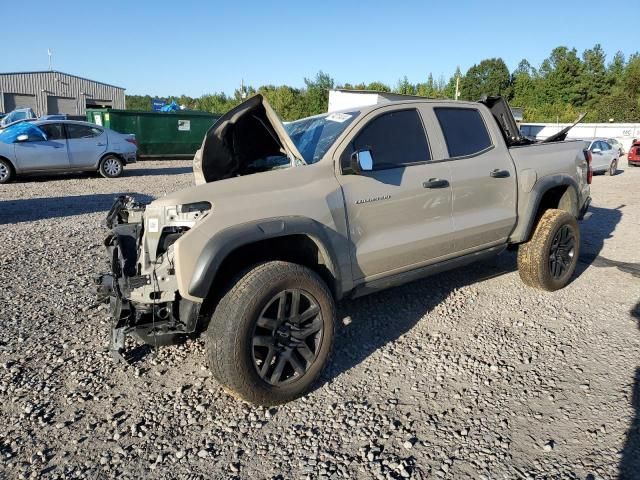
166,47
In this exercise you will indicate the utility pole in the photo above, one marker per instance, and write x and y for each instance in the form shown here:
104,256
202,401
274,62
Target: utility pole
243,94
457,87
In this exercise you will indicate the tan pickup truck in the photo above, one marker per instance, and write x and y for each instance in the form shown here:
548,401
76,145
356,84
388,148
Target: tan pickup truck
286,219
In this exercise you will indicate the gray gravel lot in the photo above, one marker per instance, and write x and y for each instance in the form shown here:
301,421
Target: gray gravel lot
467,374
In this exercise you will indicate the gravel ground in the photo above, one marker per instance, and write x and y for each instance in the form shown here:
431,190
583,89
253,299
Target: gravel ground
467,374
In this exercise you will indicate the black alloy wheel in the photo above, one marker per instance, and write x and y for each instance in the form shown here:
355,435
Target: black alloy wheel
287,337
561,251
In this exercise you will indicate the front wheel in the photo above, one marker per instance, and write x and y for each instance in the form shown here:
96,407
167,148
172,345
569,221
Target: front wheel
547,261
6,171
613,168
111,167
272,333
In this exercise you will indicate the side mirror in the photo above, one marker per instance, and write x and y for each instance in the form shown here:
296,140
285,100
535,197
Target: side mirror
362,161
596,150
22,138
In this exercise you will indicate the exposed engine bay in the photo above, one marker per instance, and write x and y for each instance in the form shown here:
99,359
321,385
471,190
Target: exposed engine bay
141,289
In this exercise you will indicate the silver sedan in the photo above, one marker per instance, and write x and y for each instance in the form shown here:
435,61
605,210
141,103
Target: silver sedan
63,146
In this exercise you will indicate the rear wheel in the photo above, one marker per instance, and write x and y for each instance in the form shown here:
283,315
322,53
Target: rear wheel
6,171
272,333
548,260
111,166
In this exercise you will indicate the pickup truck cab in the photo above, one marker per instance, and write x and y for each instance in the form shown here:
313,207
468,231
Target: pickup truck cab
286,219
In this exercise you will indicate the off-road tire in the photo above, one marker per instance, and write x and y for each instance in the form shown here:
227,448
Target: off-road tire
534,256
107,162
613,168
230,331
7,173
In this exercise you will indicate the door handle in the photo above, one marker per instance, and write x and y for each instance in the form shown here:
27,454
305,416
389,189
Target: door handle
435,183
497,173
100,144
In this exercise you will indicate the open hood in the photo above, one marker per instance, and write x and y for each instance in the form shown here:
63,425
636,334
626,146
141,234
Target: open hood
249,132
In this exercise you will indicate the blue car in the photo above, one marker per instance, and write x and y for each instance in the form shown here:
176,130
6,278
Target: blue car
45,146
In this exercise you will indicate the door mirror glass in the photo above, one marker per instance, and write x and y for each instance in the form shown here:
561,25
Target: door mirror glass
362,161
22,138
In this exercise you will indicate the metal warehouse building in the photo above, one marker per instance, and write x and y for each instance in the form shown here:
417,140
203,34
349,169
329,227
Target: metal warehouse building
50,92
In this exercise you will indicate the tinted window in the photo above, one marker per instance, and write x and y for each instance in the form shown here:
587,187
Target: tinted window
394,139
82,131
464,131
54,131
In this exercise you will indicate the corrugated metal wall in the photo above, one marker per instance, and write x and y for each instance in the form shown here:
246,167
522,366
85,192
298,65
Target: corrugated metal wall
58,84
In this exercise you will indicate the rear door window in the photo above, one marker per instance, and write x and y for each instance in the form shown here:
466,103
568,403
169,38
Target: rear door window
395,139
464,131
82,131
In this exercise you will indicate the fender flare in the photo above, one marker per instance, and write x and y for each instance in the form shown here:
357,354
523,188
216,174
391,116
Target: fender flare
541,187
226,241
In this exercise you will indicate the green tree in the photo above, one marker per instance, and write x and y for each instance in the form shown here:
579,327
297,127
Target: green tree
618,107
378,87
615,70
316,95
450,89
524,85
427,89
404,87
631,78
285,100
594,76
489,77
561,75
138,102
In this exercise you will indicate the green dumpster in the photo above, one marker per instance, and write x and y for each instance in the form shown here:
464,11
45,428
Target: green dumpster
159,134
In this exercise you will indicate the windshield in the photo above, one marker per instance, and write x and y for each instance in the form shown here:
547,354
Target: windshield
14,117
314,135
12,132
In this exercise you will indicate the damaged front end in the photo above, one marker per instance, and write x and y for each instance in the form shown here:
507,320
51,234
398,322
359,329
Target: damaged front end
141,287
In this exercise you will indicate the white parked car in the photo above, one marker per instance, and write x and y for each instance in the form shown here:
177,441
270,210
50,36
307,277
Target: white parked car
63,146
616,144
604,156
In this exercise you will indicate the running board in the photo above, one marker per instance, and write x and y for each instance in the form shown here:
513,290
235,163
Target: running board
425,271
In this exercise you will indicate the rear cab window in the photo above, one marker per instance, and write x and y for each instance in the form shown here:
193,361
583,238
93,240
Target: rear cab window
464,131
395,139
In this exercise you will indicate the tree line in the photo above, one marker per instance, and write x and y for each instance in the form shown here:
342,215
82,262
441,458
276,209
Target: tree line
564,85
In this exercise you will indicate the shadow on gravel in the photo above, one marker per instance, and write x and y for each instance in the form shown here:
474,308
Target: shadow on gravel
141,172
31,209
370,327
595,230
630,462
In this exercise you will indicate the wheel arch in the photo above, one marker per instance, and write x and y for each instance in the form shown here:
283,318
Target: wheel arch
558,191
296,239
107,154
11,164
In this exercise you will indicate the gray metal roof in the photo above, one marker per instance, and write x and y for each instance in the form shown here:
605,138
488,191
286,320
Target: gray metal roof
62,73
